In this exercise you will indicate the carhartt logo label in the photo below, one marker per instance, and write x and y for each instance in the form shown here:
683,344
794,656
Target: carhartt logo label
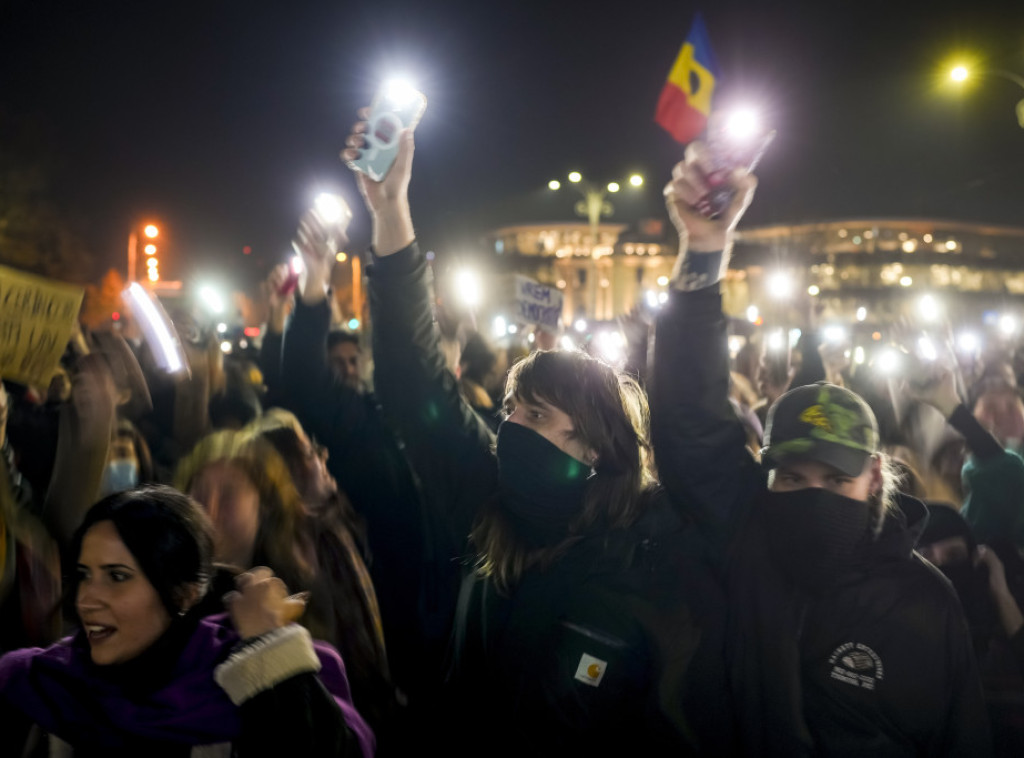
857,664
591,670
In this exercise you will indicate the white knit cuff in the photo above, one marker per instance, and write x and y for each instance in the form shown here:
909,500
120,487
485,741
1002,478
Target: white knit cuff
266,662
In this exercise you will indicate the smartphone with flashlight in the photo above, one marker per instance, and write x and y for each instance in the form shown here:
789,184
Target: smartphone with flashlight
729,149
395,107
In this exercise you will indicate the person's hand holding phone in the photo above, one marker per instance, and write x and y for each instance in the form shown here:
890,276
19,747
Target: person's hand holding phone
388,199
688,188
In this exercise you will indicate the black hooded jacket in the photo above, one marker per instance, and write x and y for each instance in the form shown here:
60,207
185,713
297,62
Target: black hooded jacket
879,662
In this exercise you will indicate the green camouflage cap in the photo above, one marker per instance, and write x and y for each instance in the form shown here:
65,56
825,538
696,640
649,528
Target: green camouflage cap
821,422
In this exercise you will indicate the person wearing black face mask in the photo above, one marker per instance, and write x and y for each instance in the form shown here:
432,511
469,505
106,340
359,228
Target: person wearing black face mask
586,592
840,639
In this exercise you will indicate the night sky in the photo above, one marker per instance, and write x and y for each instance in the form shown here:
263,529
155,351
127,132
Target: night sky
223,119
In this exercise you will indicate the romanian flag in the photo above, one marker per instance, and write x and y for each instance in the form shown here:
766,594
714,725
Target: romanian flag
685,100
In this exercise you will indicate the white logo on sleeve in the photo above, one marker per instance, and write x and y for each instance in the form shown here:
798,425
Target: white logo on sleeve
591,670
857,664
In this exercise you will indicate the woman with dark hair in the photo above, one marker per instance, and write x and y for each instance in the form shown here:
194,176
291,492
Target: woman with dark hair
583,602
145,674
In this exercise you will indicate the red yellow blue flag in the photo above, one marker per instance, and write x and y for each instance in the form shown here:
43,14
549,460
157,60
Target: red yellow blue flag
685,100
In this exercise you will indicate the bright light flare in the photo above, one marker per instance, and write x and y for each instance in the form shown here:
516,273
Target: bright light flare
554,184
151,231
467,285
776,341
353,324
225,347
1008,325
580,325
400,91
611,346
651,298
834,333
743,124
613,187
906,281
929,308
332,209
155,326
959,73
780,285
814,290
500,326
888,361
150,249
636,180
567,343
926,349
297,265
753,313
736,343
222,327
968,342
575,177
212,299
662,281
858,355
862,313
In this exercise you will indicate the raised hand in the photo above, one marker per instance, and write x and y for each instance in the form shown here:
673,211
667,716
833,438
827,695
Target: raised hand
261,603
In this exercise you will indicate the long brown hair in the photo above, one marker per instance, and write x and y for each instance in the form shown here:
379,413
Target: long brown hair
281,538
609,414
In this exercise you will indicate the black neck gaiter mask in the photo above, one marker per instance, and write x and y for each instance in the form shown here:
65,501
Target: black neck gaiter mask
541,488
813,534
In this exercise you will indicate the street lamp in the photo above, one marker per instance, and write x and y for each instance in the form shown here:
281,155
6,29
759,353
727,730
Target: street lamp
595,203
960,74
150,231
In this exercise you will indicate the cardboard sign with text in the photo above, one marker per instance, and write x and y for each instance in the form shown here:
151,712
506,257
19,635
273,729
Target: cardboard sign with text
36,319
537,303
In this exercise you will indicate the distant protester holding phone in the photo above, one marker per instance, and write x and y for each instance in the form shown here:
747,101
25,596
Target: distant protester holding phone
585,592
840,639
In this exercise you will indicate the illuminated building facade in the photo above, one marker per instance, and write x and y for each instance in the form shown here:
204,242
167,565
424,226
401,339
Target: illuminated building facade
863,269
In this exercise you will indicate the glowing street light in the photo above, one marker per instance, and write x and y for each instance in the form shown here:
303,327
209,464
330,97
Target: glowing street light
151,231
961,73
331,209
814,290
594,203
1008,325
150,249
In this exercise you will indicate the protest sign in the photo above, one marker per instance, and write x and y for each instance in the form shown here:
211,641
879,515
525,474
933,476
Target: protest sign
537,303
36,319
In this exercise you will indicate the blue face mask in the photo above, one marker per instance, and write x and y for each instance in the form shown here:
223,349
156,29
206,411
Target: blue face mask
120,475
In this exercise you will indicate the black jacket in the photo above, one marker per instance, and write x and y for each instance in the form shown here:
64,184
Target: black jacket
416,593
881,662
630,603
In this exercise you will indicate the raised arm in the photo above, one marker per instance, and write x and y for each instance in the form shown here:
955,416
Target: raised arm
699,443
447,443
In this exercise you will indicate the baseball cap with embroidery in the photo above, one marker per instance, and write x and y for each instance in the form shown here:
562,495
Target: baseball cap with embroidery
821,422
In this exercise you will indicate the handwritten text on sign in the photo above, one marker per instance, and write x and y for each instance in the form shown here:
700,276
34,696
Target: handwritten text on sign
538,303
36,319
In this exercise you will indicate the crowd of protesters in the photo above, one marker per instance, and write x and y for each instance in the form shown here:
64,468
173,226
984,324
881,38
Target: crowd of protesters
487,553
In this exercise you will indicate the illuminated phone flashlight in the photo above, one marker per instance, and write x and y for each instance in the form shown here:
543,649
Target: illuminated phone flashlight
776,341
968,342
399,91
926,349
834,333
743,124
297,265
467,285
211,299
500,326
929,308
332,209
888,361
780,285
